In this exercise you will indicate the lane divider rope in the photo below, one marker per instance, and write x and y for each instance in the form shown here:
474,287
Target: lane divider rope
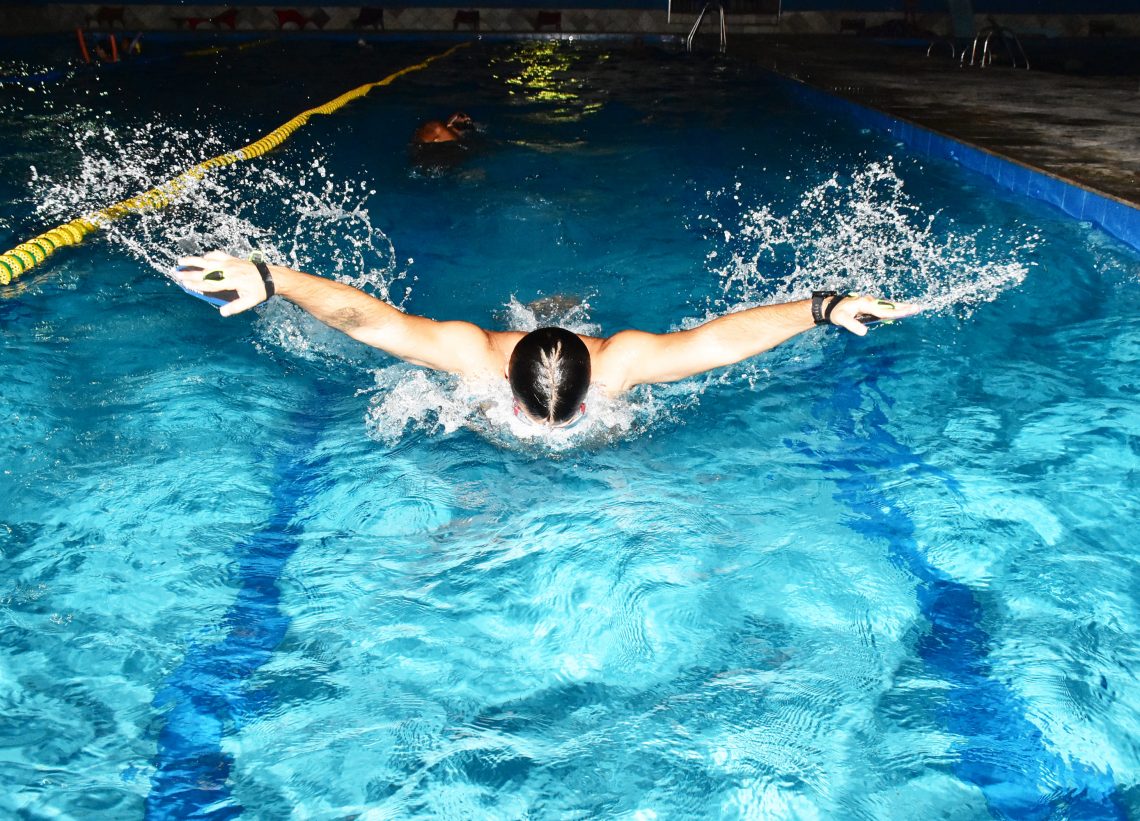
28,255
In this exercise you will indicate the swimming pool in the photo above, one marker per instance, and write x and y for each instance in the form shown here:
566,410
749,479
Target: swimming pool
252,569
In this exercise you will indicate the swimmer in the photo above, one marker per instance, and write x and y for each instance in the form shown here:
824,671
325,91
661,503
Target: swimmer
550,370
433,131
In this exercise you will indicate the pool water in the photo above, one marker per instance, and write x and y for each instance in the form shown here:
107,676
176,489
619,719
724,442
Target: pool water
253,569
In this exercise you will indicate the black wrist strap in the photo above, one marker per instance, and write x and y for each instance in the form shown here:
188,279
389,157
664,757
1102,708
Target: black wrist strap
835,300
817,309
266,277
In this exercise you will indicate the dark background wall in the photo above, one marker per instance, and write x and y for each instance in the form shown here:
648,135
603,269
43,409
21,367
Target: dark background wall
895,6
980,6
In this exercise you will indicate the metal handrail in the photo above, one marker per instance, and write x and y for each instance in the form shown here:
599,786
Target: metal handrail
942,41
697,25
985,36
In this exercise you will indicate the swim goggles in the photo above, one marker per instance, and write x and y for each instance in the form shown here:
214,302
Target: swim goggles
572,422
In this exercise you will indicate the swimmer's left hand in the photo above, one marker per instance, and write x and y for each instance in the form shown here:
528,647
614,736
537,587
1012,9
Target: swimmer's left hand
855,310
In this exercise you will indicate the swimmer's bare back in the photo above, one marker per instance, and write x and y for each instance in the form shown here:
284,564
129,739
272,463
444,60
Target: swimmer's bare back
433,131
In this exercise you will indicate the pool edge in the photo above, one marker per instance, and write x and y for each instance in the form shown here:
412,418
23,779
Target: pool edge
1113,215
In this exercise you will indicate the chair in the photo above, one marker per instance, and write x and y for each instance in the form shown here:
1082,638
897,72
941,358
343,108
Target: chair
369,16
548,18
227,18
106,17
287,16
466,17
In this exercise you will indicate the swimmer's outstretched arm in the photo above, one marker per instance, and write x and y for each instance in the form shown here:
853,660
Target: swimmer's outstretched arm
632,358
456,347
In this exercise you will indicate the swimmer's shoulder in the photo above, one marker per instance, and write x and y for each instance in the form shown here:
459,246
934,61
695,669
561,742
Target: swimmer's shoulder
612,358
503,343
620,345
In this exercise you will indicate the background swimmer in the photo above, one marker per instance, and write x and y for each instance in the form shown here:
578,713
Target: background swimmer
437,147
457,127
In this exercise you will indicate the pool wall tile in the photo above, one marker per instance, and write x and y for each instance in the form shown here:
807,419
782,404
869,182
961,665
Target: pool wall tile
1096,210
803,17
1037,188
1118,218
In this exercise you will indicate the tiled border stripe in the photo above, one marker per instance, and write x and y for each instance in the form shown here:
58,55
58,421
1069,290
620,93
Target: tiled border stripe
1115,216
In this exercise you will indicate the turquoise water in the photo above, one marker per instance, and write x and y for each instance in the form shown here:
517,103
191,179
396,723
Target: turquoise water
252,569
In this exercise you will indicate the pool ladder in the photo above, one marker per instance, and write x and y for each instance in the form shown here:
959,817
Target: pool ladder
700,18
1004,36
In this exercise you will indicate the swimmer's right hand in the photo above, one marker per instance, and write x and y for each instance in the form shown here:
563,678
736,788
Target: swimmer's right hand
853,312
233,284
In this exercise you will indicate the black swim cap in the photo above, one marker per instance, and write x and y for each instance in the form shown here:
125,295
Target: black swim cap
550,374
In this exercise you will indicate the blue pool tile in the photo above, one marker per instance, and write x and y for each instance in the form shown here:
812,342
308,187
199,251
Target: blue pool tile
1006,174
1054,191
1028,175
1073,201
922,139
1038,187
1122,221
1096,208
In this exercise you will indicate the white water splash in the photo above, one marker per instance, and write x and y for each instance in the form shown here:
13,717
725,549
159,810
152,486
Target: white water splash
565,311
862,234
416,400
298,213
407,399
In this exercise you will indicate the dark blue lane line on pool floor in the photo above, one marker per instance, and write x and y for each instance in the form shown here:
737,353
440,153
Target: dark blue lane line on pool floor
208,693
1003,753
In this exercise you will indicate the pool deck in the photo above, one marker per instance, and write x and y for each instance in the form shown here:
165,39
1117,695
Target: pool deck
1082,129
